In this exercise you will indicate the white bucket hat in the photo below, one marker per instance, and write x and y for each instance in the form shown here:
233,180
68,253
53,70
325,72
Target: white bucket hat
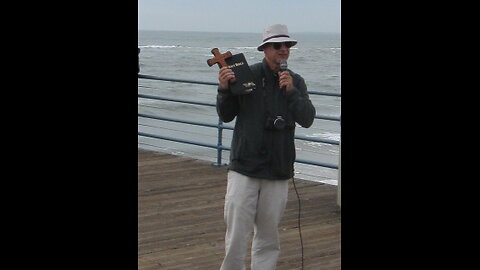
276,33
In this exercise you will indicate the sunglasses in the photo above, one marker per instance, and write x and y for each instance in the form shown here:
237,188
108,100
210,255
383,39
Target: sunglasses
278,45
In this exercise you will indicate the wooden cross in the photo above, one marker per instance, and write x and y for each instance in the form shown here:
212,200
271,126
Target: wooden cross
220,59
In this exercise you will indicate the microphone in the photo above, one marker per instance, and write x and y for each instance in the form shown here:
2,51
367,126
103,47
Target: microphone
283,67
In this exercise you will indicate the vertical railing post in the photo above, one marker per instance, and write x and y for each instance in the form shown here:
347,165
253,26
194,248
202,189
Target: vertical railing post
219,143
339,184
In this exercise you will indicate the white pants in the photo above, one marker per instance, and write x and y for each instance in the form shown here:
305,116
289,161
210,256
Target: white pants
257,205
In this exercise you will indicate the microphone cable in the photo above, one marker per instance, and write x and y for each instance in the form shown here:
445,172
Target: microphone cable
299,215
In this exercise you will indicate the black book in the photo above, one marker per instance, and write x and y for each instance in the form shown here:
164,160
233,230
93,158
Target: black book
244,83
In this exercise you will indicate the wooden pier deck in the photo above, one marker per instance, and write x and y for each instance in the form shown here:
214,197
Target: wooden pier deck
181,226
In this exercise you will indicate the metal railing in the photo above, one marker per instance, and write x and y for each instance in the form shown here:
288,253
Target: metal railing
220,126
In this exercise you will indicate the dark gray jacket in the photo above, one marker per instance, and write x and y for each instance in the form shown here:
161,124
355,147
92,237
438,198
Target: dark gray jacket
257,149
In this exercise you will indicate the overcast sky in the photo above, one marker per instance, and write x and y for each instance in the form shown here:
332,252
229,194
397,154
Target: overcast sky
239,15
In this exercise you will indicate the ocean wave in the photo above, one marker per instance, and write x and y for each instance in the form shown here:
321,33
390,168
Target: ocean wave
329,48
322,148
162,46
243,48
325,135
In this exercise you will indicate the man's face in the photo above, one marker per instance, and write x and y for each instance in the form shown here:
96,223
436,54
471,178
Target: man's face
273,55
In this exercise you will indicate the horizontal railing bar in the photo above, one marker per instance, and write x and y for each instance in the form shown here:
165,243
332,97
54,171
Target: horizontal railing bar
178,120
332,166
151,77
327,117
183,121
319,140
324,117
321,93
176,100
182,141
322,164
300,137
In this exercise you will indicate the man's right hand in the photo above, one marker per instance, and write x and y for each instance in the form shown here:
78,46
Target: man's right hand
224,75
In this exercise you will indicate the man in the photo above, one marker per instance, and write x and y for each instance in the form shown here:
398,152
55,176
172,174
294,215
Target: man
262,151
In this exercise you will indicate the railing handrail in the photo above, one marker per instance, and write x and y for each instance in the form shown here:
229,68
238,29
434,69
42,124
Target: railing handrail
220,125
152,77
204,124
211,104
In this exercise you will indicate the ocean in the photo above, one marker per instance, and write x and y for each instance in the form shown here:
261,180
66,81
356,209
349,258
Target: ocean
183,55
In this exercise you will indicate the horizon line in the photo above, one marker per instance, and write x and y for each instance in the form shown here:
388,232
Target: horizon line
239,32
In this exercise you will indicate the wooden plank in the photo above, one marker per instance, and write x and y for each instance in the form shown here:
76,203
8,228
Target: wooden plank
180,217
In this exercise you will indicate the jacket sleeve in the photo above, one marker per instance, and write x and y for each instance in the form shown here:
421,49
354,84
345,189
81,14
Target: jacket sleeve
227,105
300,104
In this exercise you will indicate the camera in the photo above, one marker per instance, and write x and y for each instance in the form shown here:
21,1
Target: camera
275,123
